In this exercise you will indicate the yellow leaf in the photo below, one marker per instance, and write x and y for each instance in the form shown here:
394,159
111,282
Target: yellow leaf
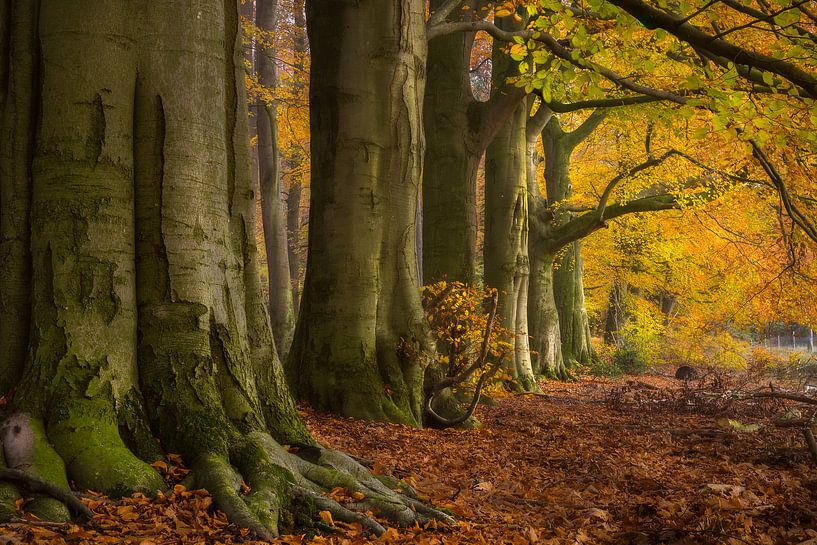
326,517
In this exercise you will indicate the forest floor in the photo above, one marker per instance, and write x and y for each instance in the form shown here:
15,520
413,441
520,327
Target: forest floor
630,461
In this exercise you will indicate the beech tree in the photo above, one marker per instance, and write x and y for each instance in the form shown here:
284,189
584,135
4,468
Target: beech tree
131,206
273,213
361,332
568,286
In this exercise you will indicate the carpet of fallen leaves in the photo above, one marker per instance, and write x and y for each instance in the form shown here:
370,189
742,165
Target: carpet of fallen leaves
629,461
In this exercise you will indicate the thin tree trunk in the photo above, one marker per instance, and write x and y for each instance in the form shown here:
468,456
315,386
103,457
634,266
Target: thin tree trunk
281,308
294,237
361,330
296,164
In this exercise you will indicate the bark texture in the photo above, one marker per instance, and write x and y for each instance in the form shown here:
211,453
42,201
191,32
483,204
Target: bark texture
273,214
574,326
147,315
507,267
543,315
450,167
361,330
20,109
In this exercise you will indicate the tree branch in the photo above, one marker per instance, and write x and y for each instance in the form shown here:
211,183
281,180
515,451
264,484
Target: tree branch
651,17
561,108
441,14
577,136
585,224
557,49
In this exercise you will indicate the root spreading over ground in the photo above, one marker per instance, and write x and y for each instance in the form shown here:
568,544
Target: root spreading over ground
597,462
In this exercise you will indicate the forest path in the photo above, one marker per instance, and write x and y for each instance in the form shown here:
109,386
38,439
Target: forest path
630,461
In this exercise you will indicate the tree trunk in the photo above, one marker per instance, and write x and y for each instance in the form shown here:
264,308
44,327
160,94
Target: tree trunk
543,317
450,167
146,308
568,274
361,329
296,165
20,112
281,308
568,289
506,219
506,238
617,313
294,238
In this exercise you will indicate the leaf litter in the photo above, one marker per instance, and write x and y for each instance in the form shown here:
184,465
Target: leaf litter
596,462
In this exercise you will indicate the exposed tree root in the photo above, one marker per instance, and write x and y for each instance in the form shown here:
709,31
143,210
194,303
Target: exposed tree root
256,482
274,475
36,485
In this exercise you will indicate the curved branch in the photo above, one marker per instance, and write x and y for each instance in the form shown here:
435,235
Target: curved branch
463,376
655,18
557,49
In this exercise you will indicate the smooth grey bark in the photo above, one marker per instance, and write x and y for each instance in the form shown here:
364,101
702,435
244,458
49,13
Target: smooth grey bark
294,238
361,331
543,316
574,326
147,314
281,307
507,266
295,165
458,130
450,166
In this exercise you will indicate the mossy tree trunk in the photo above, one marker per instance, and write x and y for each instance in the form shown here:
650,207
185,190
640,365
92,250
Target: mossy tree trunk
146,310
361,331
281,307
574,326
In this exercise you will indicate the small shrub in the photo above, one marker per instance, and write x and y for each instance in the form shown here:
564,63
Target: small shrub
629,361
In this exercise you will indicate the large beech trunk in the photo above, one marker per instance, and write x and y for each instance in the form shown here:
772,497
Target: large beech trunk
507,266
543,316
146,310
568,280
450,168
361,329
568,290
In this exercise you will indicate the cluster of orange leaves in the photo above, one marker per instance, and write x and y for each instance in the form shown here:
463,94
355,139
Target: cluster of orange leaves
458,315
